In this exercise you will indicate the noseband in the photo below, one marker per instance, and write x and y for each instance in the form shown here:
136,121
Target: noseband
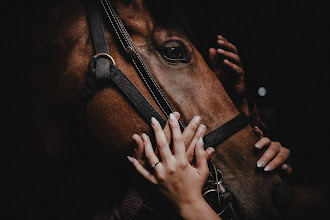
103,72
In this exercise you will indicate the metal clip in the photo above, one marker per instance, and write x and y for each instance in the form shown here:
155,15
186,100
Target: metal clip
106,56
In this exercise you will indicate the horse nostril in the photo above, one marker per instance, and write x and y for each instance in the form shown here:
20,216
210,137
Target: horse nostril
281,198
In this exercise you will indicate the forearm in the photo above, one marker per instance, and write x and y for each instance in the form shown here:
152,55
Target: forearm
197,210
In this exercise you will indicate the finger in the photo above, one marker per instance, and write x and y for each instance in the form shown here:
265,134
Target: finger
191,149
140,169
237,69
232,57
287,168
164,150
167,129
190,130
226,45
167,132
213,59
258,132
201,159
148,150
265,141
209,152
138,151
178,144
278,160
269,154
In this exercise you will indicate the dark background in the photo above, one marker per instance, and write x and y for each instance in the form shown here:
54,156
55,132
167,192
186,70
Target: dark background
284,47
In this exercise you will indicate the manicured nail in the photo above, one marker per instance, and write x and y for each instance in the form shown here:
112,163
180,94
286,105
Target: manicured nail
197,119
268,168
257,146
200,143
285,167
210,150
154,121
172,118
144,137
221,41
176,115
201,128
130,159
261,164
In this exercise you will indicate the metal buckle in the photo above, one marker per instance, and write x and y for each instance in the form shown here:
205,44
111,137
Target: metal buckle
105,55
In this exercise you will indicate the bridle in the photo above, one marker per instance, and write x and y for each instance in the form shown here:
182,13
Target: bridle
103,72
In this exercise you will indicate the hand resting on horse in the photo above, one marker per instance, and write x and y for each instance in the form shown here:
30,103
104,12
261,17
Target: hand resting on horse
191,135
226,65
171,171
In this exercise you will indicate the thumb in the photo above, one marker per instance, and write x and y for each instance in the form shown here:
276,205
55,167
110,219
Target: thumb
201,157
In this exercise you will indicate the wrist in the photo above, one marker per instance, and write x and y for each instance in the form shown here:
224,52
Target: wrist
196,209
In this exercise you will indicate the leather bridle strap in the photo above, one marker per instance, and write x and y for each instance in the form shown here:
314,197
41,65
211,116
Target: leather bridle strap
108,73
133,54
226,130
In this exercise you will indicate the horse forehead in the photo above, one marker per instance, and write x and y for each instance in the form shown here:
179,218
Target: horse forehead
136,17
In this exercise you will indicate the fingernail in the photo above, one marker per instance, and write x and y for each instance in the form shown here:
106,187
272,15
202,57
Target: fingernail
201,128
210,150
154,121
221,41
260,164
220,50
256,128
285,167
268,168
176,115
144,137
257,146
172,118
197,119
200,143
130,159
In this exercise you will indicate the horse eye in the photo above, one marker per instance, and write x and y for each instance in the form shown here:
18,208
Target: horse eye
174,53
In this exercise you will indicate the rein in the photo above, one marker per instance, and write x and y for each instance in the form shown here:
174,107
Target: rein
103,72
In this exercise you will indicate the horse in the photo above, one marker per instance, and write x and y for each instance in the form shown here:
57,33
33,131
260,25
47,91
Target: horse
64,49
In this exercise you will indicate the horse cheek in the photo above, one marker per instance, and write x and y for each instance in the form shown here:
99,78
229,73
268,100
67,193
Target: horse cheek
112,121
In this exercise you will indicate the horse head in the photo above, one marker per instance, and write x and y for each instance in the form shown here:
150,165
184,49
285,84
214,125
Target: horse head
182,74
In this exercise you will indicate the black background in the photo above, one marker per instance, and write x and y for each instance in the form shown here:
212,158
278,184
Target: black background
284,47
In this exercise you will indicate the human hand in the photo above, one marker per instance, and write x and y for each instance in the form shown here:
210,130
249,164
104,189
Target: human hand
226,64
275,156
191,135
172,173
